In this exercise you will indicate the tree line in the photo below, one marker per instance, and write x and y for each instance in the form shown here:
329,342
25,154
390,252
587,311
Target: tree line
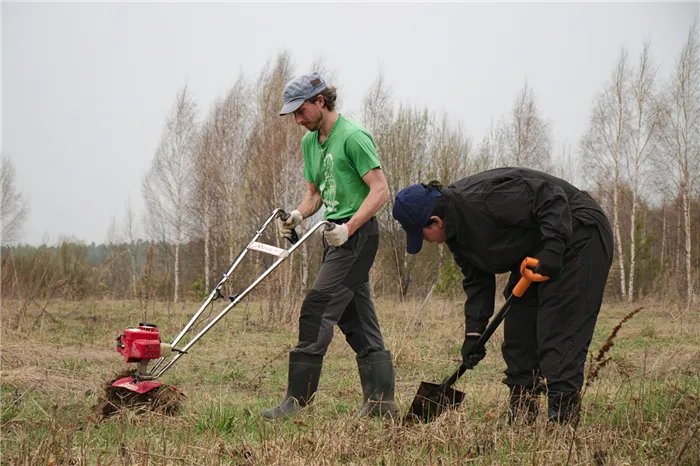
218,174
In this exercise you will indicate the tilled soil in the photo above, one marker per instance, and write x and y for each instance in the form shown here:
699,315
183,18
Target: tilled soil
165,399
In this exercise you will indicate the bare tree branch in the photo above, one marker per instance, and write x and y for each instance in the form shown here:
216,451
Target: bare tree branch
14,207
526,137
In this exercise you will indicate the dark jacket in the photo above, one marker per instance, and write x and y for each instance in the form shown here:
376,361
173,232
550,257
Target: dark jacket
494,219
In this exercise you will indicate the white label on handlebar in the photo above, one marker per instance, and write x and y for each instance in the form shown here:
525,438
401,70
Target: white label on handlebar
275,251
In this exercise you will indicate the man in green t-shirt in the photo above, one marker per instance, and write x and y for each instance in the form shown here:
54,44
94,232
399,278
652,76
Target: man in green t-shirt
342,172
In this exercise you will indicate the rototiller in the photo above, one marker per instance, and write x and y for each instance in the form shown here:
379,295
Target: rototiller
143,344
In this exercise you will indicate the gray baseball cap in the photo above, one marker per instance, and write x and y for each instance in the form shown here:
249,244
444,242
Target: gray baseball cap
301,89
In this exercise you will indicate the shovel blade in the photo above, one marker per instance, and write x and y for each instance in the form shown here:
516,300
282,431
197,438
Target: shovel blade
431,401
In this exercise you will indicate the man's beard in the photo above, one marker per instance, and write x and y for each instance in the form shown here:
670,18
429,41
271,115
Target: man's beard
316,124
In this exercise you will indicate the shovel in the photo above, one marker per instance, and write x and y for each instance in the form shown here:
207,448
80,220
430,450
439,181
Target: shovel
433,399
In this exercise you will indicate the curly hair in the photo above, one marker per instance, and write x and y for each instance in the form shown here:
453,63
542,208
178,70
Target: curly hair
329,95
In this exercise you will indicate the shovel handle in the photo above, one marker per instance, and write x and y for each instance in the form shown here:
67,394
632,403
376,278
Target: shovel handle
527,278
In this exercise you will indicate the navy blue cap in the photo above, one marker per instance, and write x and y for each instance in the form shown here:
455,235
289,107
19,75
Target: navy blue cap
300,89
413,207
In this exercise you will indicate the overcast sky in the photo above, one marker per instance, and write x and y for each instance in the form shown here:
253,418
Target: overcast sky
86,87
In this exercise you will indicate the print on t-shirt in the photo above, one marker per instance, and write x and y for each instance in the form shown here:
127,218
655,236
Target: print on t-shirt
328,188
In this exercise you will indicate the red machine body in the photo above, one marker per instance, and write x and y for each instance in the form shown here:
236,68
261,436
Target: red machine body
142,387
137,344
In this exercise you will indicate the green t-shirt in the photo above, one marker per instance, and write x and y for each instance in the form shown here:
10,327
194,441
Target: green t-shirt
338,165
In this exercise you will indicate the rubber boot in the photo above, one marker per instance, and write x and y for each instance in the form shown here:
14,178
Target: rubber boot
304,373
377,378
563,407
523,404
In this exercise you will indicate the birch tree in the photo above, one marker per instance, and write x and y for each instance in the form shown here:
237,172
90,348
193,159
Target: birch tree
526,135
231,125
377,109
377,116
204,194
604,147
490,150
450,153
403,144
221,158
167,186
682,141
644,135
14,207
449,160
274,166
567,166
130,232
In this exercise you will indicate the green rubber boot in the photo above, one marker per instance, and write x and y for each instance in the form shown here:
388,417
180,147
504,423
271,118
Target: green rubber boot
377,378
304,374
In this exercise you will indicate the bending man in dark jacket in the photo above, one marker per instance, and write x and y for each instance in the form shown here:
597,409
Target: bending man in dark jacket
491,221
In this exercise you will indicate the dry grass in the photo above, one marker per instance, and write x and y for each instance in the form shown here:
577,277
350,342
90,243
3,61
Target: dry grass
641,408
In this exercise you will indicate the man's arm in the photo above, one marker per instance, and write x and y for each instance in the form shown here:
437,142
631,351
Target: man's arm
312,200
377,197
480,288
362,154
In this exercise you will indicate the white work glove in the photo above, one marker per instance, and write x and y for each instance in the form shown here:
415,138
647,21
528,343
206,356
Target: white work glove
286,226
337,236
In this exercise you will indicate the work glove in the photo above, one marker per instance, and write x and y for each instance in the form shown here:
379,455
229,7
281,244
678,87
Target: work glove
550,263
469,358
337,236
286,226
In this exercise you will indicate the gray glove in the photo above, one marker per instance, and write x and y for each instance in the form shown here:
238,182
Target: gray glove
285,227
337,236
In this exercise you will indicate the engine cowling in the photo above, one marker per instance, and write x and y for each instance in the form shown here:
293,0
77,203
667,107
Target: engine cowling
139,343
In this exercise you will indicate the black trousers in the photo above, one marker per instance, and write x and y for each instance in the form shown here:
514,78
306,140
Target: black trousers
341,296
549,329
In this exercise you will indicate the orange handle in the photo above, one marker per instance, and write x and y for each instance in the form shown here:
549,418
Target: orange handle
527,276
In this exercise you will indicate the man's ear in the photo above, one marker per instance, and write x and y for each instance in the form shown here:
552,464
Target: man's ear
438,221
321,100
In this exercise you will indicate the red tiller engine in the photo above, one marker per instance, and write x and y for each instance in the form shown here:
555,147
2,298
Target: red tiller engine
140,343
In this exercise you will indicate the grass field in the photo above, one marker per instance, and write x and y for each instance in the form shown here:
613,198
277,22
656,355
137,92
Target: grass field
643,407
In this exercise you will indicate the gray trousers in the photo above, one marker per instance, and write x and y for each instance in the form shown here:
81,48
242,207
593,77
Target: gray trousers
341,296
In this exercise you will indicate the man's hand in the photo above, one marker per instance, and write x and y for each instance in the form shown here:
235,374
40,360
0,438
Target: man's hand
469,358
286,226
337,236
550,263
